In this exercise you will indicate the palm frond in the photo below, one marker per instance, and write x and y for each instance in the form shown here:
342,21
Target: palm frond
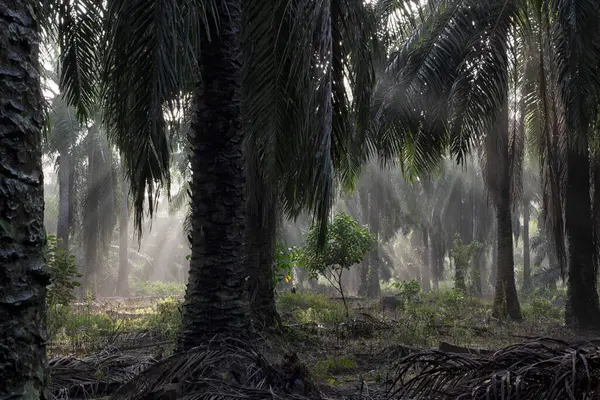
218,369
95,375
151,59
542,368
79,28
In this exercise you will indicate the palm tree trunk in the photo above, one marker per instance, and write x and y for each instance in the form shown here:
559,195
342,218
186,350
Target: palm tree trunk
581,294
123,282
363,288
425,276
260,252
494,266
373,288
215,299
23,276
64,181
526,252
506,302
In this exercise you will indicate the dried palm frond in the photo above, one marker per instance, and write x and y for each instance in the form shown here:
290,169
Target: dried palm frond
538,369
218,369
95,375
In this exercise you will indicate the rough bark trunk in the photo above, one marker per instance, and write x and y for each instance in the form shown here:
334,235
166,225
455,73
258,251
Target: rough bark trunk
363,283
64,201
494,266
215,299
526,251
373,288
506,302
581,293
23,276
363,288
426,281
123,282
260,251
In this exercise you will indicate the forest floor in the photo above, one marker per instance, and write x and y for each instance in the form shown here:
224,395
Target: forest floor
97,346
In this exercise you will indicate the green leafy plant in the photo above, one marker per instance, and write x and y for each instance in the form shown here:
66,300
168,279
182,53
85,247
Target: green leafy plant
282,262
334,366
63,274
158,288
462,255
407,291
346,244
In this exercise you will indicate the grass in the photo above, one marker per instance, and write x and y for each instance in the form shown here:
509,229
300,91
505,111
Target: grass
343,353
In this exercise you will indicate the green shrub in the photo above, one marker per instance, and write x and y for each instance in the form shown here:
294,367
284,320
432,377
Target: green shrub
309,307
406,292
158,288
334,366
537,309
345,245
167,319
63,274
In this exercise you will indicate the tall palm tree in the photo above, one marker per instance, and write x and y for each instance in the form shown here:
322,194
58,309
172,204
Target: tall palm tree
215,300
64,131
123,278
23,278
471,80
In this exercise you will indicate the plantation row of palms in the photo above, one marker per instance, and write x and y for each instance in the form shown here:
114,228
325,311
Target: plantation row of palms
286,102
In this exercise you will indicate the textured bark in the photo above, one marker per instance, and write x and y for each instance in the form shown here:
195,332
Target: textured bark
123,282
494,266
582,295
215,299
260,252
526,251
363,274
425,276
23,276
64,201
374,289
506,302
364,266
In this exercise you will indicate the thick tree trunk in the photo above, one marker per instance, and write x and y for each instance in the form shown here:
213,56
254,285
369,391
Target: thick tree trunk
526,251
64,201
215,299
581,293
506,302
494,266
425,275
363,269
365,265
23,275
123,281
260,252
373,288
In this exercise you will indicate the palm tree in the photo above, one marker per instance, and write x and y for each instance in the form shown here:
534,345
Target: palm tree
64,130
123,278
447,69
215,301
23,278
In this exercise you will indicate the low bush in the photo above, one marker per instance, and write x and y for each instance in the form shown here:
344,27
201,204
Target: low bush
158,288
308,307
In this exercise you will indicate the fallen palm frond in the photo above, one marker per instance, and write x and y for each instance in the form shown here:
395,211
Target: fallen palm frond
538,369
219,369
92,376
